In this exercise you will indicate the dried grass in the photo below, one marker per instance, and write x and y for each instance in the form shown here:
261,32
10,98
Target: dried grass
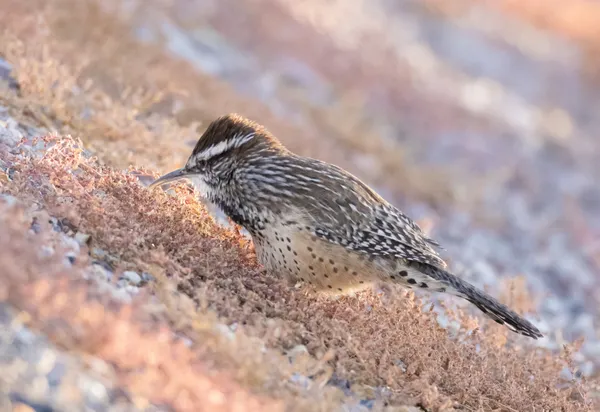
370,335
149,363
206,273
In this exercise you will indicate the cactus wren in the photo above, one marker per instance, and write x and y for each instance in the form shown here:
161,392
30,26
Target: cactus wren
315,223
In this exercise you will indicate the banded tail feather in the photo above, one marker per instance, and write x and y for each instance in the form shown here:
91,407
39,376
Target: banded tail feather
492,308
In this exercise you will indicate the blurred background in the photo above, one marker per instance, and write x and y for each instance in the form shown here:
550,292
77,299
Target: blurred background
479,119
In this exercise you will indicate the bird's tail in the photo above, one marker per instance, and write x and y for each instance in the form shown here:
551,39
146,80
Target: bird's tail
488,305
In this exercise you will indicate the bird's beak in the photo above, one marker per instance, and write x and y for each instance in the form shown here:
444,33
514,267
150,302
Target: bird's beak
169,177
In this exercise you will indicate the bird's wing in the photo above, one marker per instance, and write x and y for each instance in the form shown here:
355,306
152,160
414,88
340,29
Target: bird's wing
378,229
391,233
353,215
402,237
384,233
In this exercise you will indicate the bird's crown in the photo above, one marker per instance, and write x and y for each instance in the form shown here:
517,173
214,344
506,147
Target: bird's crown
231,133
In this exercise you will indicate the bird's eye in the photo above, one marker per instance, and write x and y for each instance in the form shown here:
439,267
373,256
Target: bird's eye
197,166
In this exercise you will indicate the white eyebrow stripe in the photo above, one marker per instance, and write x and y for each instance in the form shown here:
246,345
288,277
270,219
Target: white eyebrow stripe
224,146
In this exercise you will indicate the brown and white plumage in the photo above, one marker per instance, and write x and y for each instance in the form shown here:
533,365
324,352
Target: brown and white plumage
314,222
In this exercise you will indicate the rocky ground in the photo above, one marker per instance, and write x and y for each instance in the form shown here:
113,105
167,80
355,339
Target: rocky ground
117,299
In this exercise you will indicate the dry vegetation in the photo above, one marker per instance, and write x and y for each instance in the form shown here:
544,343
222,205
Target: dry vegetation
206,275
124,335
359,339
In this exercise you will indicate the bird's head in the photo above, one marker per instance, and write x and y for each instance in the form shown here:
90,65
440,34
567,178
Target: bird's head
229,143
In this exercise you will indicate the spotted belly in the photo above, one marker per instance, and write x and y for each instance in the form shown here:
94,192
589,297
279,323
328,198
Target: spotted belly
302,258
292,252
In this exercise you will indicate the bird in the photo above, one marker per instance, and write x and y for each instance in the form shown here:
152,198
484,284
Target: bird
314,223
